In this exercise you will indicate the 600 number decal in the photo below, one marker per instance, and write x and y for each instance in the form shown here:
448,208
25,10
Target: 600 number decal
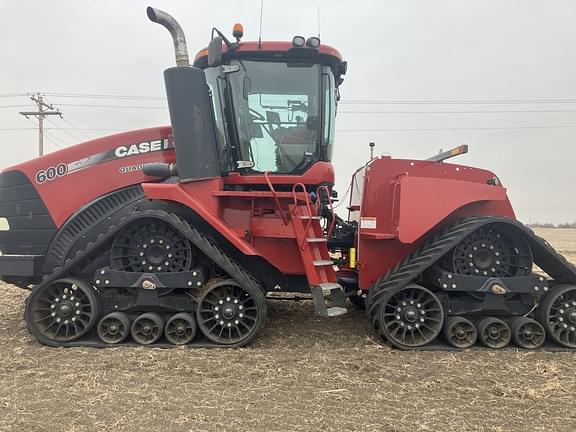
51,173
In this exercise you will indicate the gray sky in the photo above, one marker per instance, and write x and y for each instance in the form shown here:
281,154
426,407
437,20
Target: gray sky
398,50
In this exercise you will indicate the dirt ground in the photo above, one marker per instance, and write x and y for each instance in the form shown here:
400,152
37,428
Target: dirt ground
302,374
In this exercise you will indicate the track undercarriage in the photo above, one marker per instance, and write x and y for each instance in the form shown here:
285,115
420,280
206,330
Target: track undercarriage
473,282
145,275
136,272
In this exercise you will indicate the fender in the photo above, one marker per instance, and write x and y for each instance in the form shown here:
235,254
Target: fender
198,196
425,201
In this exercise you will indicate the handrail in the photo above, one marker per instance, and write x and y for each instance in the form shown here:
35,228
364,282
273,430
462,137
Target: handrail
308,207
276,200
330,206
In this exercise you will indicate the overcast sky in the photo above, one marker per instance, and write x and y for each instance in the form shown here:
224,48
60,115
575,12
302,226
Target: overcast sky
399,51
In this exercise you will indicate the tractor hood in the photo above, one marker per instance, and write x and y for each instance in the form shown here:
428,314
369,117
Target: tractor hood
70,178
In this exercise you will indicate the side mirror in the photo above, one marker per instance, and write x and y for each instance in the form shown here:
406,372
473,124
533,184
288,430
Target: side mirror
215,52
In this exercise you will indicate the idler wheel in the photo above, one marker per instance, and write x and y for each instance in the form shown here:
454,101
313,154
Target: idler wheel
151,246
411,316
460,332
230,314
62,311
527,333
557,313
491,251
494,333
181,328
147,328
114,328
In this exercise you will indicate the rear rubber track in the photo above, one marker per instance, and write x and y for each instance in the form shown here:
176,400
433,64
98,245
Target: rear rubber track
95,246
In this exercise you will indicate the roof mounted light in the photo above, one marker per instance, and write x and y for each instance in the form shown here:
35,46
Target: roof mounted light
313,42
298,41
238,31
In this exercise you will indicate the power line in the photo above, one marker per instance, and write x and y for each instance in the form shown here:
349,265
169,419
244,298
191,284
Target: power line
338,130
67,132
82,134
458,112
9,95
112,106
457,129
342,112
51,138
105,96
59,128
14,106
86,129
349,101
458,102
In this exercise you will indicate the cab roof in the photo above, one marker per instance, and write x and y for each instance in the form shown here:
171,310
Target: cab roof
274,49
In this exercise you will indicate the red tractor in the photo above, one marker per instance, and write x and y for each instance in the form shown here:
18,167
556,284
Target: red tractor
175,235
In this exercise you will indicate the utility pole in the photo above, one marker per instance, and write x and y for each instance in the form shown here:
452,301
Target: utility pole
44,110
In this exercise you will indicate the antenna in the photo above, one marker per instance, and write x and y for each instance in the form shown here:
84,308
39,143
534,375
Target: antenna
260,32
318,21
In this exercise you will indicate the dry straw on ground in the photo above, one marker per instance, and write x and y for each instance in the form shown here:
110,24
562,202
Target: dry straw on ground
302,374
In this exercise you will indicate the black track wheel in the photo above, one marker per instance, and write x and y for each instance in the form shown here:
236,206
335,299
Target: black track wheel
62,311
411,316
460,332
527,333
151,246
493,250
147,328
557,314
113,328
494,333
181,328
231,314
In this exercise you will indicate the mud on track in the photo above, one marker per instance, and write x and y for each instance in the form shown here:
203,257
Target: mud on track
302,374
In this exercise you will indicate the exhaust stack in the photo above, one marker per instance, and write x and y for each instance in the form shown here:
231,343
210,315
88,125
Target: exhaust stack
191,115
168,21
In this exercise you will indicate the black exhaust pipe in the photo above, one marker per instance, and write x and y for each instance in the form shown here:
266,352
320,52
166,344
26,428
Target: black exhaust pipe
190,108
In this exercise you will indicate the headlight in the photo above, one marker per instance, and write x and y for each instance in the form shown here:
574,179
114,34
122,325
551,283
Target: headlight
313,42
298,41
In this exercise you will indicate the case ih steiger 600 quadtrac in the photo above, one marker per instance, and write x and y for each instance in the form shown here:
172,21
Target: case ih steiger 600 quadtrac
175,235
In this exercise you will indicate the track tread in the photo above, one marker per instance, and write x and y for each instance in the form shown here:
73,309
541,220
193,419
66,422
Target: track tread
545,256
203,243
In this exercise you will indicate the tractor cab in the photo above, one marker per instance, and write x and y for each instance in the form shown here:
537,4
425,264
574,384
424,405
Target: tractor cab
274,103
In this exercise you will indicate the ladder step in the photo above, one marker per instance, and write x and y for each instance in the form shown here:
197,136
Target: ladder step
321,263
316,240
336,295
310,217
327,287
335,311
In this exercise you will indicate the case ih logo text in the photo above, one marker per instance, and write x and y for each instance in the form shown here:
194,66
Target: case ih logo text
143,147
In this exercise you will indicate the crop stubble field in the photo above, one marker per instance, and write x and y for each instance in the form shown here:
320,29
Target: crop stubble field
302,374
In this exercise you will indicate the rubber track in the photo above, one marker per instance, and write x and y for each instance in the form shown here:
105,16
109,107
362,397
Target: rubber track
82,222
554,264
207,246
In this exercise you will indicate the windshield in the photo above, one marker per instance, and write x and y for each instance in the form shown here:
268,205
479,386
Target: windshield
278,110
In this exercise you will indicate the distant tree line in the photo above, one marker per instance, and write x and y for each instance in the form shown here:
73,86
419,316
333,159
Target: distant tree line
551,225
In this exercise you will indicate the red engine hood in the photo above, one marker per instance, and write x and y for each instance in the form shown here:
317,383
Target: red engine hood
70,178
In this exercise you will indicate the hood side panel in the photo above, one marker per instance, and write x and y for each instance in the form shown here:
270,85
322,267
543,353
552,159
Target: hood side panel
69,179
